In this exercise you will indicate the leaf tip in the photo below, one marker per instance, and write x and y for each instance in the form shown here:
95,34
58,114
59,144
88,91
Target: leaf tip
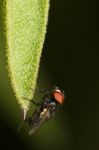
24,113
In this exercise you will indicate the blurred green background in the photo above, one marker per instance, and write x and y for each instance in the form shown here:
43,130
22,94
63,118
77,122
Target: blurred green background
70,60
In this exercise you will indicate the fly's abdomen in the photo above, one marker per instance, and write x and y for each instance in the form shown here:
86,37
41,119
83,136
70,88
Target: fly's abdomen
35,118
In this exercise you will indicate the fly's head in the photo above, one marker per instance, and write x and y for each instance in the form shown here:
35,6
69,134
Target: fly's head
58,95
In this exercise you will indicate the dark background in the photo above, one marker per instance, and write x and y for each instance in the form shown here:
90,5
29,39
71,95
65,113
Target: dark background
70,60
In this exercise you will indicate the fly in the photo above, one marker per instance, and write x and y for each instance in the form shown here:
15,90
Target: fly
45,109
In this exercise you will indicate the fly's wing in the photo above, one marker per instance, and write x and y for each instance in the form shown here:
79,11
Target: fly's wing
44,115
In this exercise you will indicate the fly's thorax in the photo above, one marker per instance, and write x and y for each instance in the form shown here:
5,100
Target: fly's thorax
51,105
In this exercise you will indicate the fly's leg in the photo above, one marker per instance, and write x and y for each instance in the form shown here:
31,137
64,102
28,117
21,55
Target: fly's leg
27,120
42,91
22,123
46,92
34,102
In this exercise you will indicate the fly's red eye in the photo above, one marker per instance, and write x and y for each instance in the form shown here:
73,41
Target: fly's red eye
59,97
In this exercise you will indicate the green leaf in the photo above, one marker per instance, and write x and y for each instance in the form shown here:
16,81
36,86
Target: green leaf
25,28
